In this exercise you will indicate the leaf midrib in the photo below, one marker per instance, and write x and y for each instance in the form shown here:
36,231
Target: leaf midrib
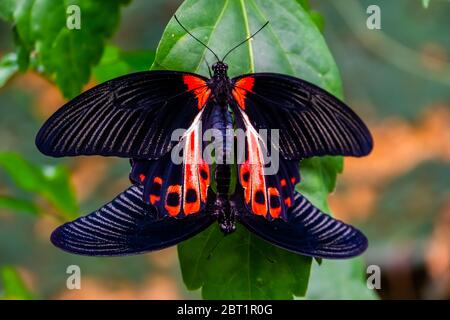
219,18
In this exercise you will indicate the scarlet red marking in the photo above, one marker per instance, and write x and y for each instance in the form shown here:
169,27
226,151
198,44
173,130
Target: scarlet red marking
257,179
191,207
173,210
154,198
241,88
259,208
274,212
245,169
203,172
293,180
191,178
255,166
199,87
283,182
142,177
288,201
157,180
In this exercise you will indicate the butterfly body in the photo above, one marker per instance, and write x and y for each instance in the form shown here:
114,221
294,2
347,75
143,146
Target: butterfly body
220,118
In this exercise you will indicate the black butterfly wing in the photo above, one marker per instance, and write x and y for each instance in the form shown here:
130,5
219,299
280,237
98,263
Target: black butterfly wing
312,122
177,183
175,190
267,193
132,116
309,232
126,225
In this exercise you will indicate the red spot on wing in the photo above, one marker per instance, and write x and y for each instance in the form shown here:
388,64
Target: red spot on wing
204,175
155,192
157,180
173,208
199,87
191,185
293,180
259,207
241,88
288,201
257,180
245,180
274,202
142,177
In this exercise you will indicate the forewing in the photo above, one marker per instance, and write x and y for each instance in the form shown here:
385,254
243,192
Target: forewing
131,116
312,122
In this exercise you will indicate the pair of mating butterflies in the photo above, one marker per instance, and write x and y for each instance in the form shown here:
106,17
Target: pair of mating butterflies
134,116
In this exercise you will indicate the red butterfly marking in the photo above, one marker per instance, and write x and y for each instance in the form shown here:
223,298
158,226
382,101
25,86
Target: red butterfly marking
199,87
241,87
173,200
191,199
274,200
245,180
203,171
155,194
254,165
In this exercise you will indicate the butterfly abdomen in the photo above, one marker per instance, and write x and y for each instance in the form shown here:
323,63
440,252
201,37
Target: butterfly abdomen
222,124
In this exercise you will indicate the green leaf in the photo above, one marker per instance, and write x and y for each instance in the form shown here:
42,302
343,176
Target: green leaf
316,17
18,205
8,67
426,3
116,62
6,10
339,279
13,286
241,265
51,182
65,56
319,179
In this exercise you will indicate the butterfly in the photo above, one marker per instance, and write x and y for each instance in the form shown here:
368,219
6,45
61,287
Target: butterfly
135,116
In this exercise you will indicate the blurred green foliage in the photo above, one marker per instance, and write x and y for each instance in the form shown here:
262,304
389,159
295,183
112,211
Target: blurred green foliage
50,182
423,193
339,280
386,72
8,67
425,3
13,285
44,43
116,62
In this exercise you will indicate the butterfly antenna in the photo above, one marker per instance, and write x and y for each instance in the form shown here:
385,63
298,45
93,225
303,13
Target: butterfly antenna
241,43
209,68
187,31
